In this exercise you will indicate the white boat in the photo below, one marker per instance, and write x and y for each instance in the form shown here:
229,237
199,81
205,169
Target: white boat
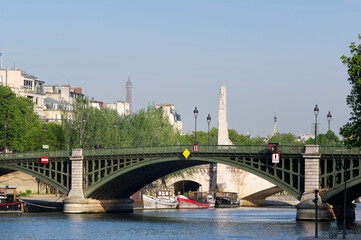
163,200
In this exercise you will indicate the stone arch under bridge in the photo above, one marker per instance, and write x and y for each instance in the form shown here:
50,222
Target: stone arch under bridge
201,175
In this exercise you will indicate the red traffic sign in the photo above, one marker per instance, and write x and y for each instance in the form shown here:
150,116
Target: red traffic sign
44,159
195,148
275,157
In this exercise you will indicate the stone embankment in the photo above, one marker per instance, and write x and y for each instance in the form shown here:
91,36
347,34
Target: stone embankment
281,200
43,203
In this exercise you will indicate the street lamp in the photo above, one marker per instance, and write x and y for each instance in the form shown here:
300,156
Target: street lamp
115,130
5,126
316,110
195,118
339,165
329,117
209,122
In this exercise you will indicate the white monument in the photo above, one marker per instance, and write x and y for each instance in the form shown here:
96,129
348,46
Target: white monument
230,179
223,138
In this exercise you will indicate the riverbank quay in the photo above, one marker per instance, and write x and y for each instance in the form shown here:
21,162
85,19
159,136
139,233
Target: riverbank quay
43,203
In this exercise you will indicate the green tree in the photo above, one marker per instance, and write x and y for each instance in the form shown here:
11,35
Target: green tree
322,139
148,127
351,131
284,139
23,124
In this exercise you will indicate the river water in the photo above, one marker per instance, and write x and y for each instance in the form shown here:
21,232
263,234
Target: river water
239,223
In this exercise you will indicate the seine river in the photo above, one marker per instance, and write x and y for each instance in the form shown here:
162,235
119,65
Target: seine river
240,223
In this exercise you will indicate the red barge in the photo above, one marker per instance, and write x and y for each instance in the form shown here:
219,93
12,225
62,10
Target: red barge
194,200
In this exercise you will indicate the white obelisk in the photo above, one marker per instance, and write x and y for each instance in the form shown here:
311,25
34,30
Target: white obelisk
231,179
223,138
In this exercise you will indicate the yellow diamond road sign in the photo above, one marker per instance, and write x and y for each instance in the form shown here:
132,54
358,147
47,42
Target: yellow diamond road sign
186,153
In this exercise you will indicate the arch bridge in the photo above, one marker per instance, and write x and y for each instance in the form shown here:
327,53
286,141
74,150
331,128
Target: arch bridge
105,174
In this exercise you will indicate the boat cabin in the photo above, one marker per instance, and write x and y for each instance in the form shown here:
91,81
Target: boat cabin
8,200
7,194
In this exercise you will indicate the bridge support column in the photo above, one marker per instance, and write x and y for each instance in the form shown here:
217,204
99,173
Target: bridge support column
76,203
306,208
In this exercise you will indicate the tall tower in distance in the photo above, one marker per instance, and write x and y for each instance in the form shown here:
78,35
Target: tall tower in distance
129,87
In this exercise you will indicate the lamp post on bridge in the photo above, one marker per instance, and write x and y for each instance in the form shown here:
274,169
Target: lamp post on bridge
115,131
195,127
209,122
316,111
329,117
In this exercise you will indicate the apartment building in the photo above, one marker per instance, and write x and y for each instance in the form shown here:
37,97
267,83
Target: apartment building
25,85
58,99
172,115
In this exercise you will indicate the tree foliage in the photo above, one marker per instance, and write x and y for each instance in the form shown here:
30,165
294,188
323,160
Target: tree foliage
322,139
24,130
284,139
351,131
236,138
145,128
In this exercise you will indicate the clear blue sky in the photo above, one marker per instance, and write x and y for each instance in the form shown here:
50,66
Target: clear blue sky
278,57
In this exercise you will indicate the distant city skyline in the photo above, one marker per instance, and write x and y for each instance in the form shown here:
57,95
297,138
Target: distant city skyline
273,57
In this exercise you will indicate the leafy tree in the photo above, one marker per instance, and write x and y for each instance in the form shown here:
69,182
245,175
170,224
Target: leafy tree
322,139
351,131
239,139
145,128
202,138
284,139
22,122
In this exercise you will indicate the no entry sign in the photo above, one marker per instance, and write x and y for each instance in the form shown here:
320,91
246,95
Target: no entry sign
44,159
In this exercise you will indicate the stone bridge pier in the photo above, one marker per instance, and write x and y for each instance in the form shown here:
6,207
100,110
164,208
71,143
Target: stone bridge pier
77,203
306,208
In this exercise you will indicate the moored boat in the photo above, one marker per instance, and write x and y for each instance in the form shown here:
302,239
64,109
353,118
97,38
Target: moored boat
226,200
194,200
9,203
163,200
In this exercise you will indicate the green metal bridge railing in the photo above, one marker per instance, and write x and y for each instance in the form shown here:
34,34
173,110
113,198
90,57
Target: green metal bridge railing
290,149
31,155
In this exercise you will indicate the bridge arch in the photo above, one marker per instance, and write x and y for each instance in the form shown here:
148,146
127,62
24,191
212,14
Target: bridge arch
49,173
137,173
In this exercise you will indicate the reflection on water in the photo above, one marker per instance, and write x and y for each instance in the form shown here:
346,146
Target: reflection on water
240,223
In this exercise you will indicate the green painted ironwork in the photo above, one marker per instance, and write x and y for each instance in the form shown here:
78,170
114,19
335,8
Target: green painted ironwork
55,173
109,173
332,180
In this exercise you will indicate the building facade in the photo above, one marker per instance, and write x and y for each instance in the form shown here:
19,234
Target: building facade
172,115
25,85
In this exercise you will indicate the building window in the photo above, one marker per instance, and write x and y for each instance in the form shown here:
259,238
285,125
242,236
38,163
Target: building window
28,84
